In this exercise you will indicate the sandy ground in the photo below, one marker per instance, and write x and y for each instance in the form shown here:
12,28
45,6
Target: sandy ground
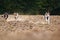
29,27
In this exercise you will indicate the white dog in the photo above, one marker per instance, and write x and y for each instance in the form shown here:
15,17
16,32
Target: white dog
16,16
47,17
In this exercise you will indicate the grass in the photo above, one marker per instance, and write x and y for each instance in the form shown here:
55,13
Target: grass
22,31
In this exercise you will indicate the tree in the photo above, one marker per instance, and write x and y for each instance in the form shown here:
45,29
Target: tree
29,6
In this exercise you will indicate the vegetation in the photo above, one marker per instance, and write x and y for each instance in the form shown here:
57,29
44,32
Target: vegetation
30,6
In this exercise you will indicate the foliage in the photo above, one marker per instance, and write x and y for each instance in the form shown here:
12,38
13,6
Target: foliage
29,6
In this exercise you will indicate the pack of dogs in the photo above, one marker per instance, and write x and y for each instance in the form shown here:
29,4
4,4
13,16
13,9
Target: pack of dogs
16,15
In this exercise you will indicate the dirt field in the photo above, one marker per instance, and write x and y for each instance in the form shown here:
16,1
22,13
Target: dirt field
29,27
